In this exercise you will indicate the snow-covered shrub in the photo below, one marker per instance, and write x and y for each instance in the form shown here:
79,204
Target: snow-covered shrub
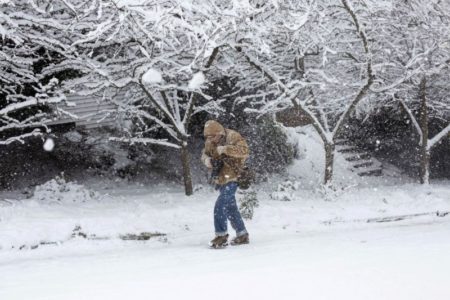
270,149
248,201
60,191
285,191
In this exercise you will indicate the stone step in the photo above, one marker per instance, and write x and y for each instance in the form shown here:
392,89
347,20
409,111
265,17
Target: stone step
358,157
363,164
347,149
373,172
342,142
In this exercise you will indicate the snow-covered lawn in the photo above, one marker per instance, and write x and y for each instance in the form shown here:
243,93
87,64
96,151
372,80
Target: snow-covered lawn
308,248
316,246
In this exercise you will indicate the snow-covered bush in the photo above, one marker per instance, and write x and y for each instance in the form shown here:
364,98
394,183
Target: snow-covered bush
270,149
58,190
248,201
285,191
276,151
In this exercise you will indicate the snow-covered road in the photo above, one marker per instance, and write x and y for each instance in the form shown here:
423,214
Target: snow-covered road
402,260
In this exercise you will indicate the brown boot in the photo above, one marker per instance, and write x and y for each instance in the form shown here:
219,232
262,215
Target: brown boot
240,240
220,241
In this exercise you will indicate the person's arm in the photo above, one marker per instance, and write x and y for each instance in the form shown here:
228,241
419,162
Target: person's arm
236,148
206,160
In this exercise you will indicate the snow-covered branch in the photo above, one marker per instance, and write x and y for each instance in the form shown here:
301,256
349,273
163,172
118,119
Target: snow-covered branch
21,137
370,76
145,141
413,120
438,137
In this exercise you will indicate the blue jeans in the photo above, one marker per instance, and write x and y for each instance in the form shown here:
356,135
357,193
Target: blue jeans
226,209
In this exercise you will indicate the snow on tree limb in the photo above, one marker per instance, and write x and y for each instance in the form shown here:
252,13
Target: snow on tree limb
438,137
197,81
365,88
413,120
20,138
145,141
32,37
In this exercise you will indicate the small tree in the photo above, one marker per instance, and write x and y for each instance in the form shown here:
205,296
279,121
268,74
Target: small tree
156,64
415,72
312,56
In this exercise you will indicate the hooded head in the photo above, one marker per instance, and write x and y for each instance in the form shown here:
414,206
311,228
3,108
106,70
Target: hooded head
213,128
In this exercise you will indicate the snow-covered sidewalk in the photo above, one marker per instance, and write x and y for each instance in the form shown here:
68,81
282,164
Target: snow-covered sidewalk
307,248
56,213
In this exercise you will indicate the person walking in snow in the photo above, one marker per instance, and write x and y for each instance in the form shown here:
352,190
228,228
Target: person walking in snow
224,155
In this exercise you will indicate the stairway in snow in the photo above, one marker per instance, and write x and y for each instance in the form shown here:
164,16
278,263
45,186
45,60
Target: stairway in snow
361,162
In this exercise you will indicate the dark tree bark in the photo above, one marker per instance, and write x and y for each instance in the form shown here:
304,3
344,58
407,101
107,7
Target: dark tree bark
329,162
424,151
187,177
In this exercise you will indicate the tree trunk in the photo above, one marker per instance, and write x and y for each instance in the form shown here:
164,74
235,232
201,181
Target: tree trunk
185,160
424,152
329,160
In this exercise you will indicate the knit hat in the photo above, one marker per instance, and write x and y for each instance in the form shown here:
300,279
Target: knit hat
213,128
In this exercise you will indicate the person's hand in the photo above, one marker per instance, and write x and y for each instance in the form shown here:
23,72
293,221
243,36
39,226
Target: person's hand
208,163
221,149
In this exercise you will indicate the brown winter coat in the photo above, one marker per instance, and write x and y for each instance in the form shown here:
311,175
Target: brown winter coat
235,154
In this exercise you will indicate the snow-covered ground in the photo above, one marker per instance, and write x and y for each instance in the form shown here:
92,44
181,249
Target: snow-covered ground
318,245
